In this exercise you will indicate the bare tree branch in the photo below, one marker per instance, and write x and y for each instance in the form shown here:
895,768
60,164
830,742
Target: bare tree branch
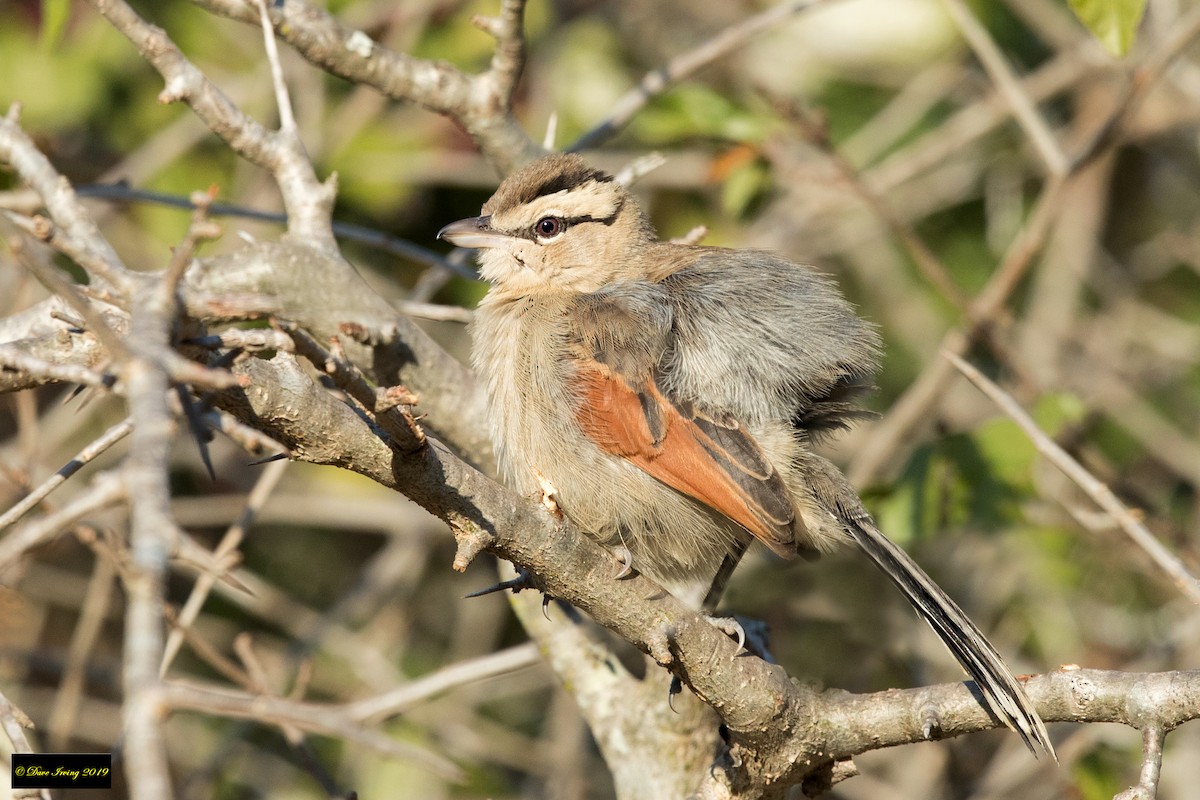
110,437
684,65
220,701
480,103
307,200
1095,489
59,199
1010,87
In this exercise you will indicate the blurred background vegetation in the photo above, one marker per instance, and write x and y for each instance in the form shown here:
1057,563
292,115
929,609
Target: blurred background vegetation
1101,343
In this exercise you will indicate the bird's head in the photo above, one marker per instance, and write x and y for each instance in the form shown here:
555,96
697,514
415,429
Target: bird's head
556,223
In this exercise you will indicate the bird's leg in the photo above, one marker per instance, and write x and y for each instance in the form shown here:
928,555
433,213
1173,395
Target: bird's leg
721,579
745,631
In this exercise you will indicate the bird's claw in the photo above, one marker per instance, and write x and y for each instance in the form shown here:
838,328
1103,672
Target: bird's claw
731,628
624,562
750,635
675,688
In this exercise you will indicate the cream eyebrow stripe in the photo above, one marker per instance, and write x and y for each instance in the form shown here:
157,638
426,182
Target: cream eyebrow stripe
593,199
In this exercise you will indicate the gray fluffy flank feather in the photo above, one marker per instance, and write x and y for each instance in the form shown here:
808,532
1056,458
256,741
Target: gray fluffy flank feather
800,344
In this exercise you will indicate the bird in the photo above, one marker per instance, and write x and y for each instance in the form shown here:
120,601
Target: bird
670,395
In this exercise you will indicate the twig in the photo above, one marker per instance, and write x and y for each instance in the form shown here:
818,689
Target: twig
252,340
271,604
681,66
252,440
283,102
551,136
308,201
60,200
210,655
396,701
55,280
434,311
110,437
388,407
151,540
229,543
323,719
902,114
199,229
153,531
243,646
93,264
106,490
1094,488
1010,87
480,103
14,722
929,388
1153,737
930,266
181,370
13,358
639,167
509,57
693,236
1142,80
976,120
121,192
92,616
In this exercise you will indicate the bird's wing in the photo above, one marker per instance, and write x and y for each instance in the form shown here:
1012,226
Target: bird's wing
621,336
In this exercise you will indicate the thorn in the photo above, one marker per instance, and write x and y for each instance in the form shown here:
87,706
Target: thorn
931,723
201,433
268,459
524,580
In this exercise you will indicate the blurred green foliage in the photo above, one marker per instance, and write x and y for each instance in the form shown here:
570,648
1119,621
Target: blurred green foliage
1114,22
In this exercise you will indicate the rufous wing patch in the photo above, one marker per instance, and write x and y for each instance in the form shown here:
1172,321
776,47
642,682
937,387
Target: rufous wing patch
717,464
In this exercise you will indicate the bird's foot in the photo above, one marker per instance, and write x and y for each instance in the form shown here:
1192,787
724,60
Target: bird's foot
731,628
750,634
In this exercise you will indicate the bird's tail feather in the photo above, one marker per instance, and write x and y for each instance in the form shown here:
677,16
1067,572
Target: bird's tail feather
1004,695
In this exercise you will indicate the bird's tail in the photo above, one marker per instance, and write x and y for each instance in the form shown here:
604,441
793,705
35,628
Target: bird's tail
1004,695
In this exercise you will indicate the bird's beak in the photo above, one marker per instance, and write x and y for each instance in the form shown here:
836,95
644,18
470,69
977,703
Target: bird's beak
474,232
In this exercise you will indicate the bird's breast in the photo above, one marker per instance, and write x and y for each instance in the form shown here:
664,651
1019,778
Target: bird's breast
520,348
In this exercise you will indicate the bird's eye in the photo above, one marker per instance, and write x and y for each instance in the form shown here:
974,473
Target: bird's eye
548,227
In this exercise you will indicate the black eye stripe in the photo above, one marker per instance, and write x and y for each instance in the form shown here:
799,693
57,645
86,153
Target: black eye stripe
532,234
568,222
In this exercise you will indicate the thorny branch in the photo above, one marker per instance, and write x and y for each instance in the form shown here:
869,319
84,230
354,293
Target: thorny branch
308,201
482,104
